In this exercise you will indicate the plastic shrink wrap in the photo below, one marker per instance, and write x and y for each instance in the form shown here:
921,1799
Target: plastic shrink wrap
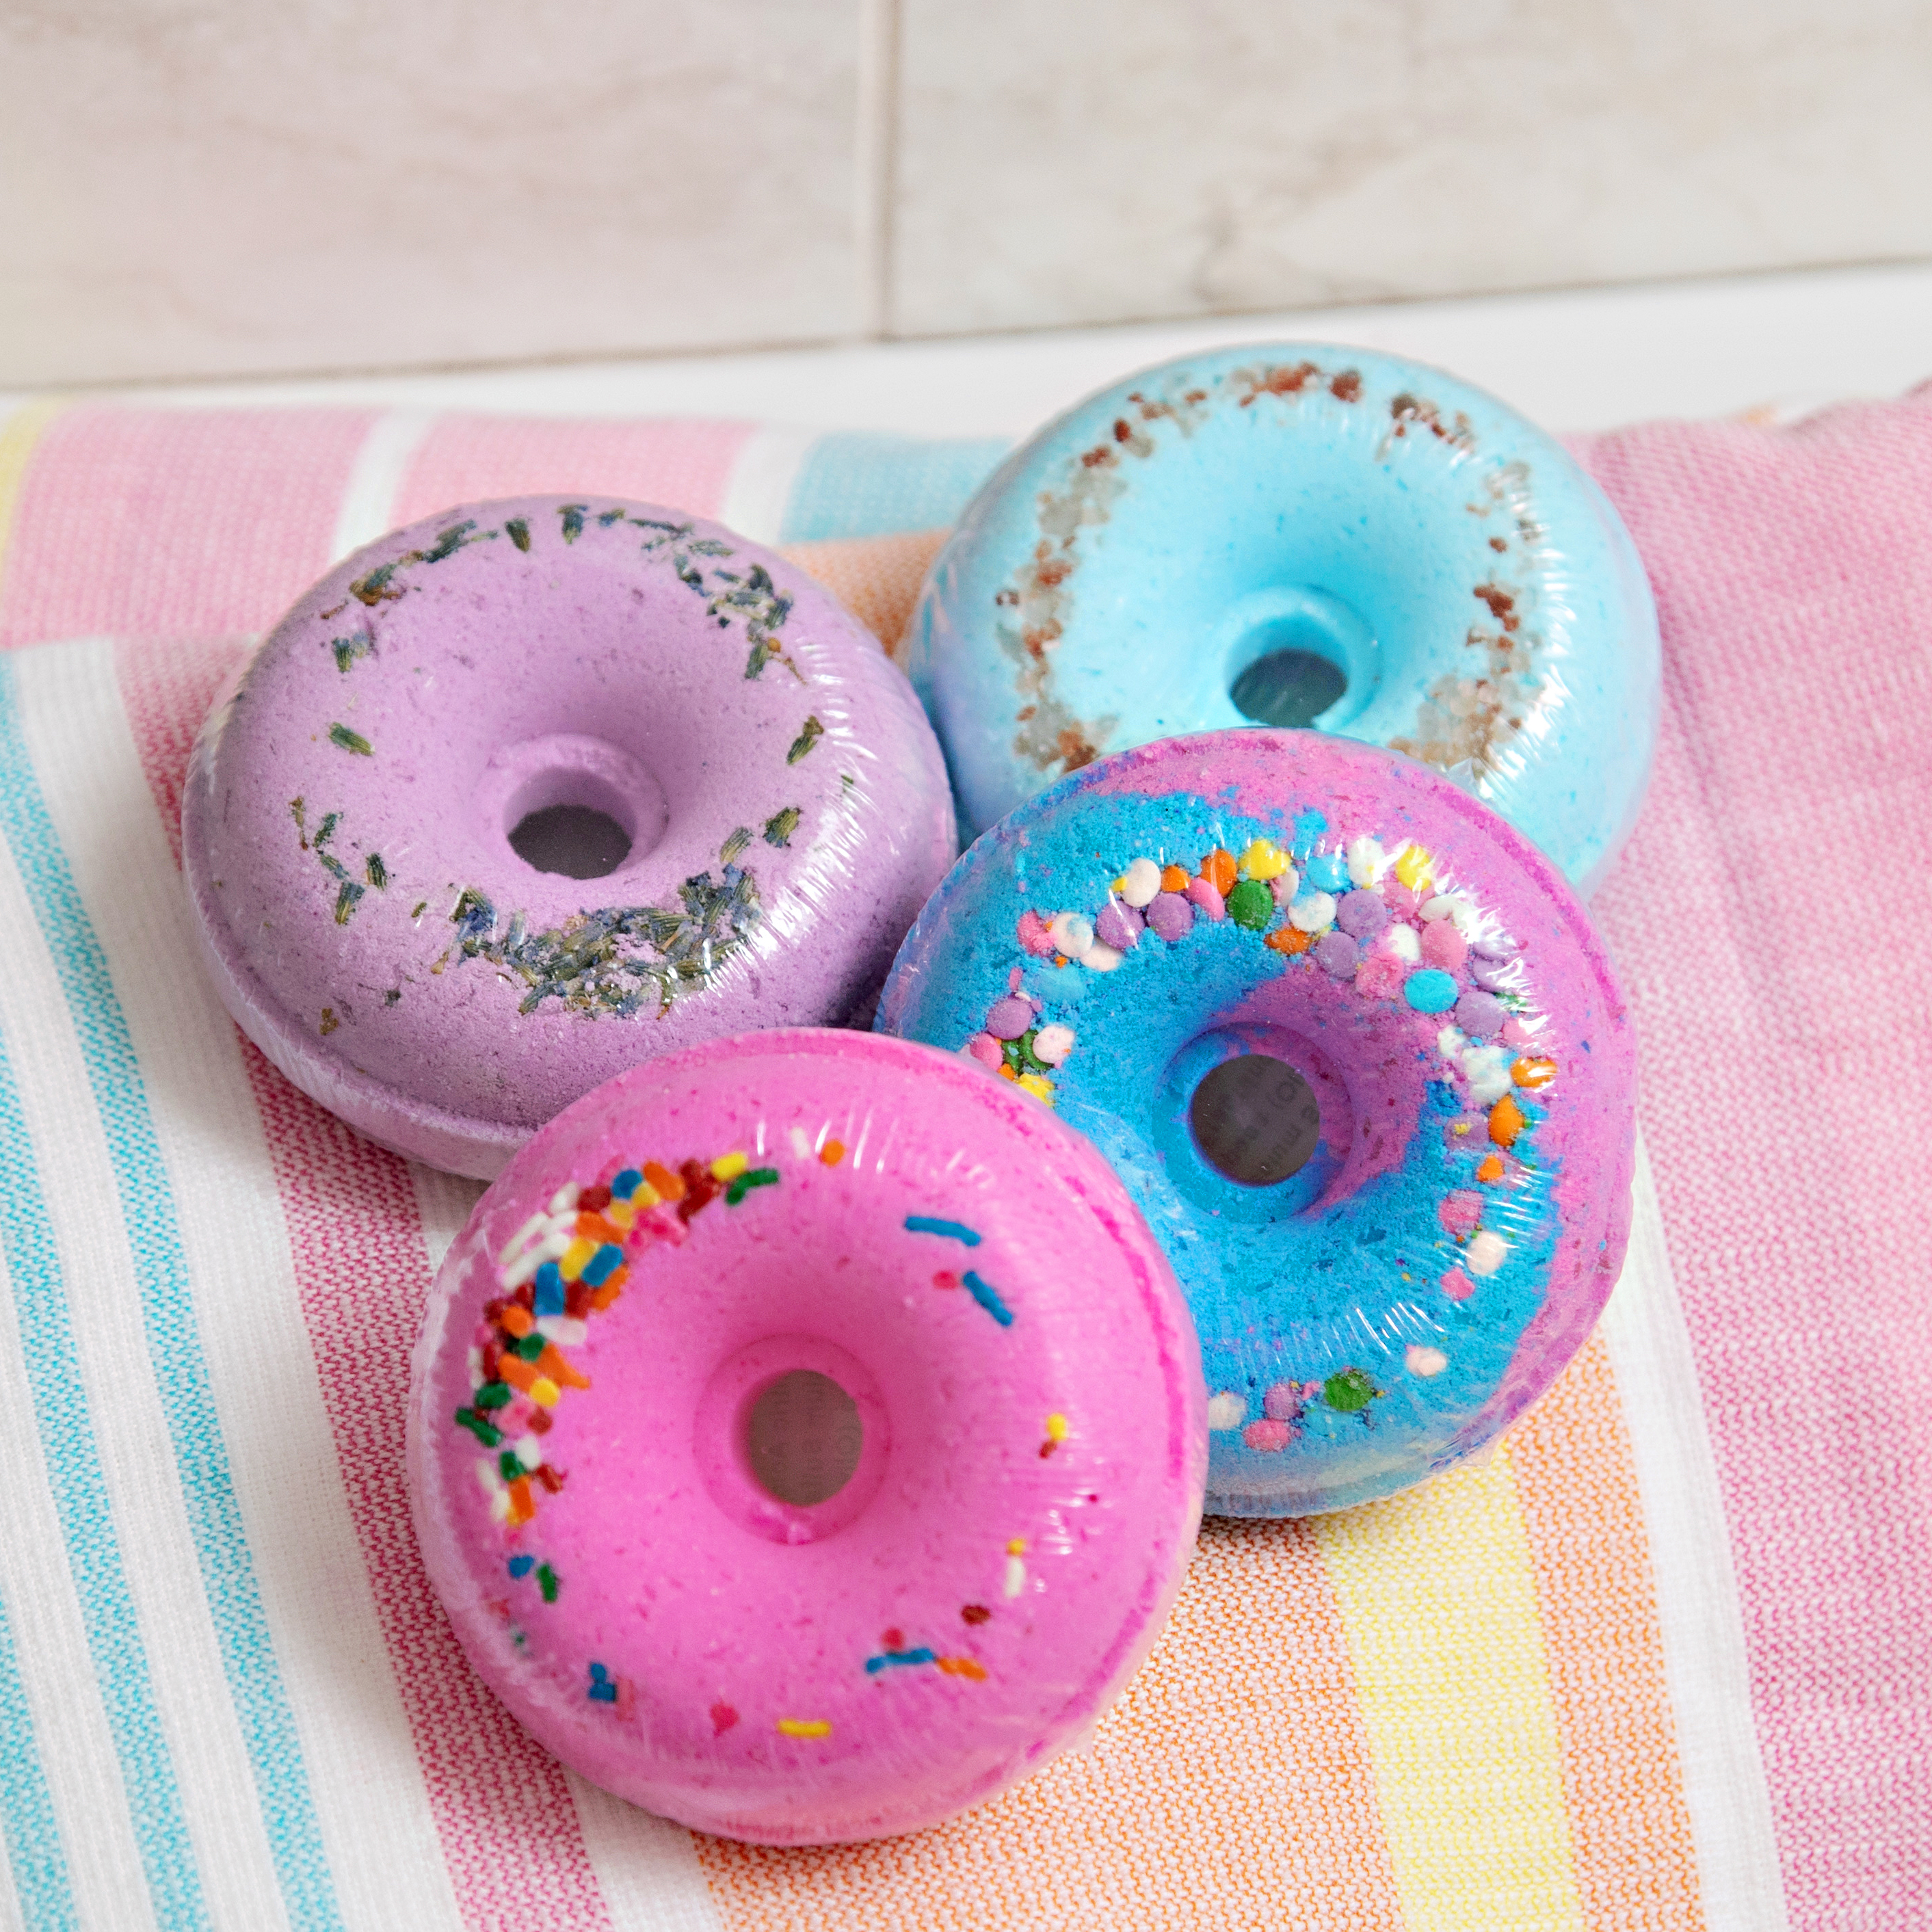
1298,534
1353,1046
777,797
860,1628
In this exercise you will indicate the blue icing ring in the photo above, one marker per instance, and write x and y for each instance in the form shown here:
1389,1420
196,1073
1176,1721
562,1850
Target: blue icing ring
1461,1203
1264,522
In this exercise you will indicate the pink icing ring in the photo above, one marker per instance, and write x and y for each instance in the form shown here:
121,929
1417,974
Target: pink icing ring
1025,1373
346,818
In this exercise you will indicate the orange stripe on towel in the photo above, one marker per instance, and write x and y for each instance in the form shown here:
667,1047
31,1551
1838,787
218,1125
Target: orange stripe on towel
876,578
1229,1786
1630,1829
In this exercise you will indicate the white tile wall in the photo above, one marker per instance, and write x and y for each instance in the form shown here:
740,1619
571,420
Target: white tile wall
210,187
1090,160
217,187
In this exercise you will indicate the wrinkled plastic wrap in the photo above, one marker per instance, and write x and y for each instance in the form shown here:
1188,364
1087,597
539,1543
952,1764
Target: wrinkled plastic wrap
1451,1025
1115,578
1024,1497
347,814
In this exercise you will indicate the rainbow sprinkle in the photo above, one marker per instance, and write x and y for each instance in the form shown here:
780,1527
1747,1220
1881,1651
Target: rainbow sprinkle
1392,923
987,1297
967,1667
953,1230
567,1263
887,1659
981,1291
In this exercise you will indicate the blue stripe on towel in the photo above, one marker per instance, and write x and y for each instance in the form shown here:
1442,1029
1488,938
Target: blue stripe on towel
874,486
174,1342
87,1523
34,1849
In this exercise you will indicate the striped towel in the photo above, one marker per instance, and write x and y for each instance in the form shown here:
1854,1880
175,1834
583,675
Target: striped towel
1663,1659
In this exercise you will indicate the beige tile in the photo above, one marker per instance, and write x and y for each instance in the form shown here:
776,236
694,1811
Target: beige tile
1079,160
220,187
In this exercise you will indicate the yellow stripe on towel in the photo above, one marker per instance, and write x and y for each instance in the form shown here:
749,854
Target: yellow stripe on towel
19,432
1438,1601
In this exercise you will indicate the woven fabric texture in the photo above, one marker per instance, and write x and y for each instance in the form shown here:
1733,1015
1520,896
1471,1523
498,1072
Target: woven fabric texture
1663,1660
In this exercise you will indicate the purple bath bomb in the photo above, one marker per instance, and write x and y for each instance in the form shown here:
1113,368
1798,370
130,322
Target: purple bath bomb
347,818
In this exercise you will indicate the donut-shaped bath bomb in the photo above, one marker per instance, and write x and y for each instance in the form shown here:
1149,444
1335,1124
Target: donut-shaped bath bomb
1353,1046
950,1296
1300,535
743,805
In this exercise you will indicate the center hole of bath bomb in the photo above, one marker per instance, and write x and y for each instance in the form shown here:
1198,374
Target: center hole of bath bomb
1288,688
802,1437
1255,1120
577,841
573,804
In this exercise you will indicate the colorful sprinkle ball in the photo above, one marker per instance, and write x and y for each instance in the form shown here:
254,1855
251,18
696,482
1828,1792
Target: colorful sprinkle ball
1388,920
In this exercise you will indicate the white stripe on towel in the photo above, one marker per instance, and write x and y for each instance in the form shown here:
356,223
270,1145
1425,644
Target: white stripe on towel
366,1783
1705,1662
109,1886
646,1867
763,472
368,507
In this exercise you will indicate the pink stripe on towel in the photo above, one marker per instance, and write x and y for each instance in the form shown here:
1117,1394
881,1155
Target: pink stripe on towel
686,465
136,522
1774,926
503,1810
